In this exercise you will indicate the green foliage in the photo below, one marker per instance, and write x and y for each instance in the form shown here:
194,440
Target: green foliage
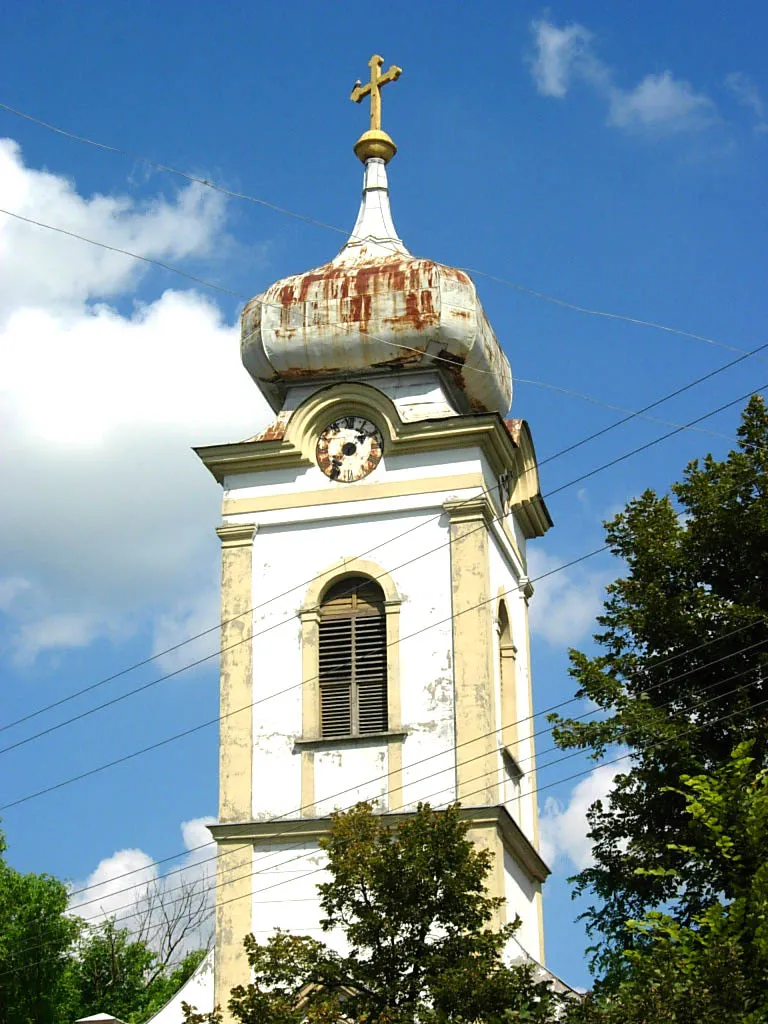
54,969
412,903
35,939
108,970
680,679
717,969
167,984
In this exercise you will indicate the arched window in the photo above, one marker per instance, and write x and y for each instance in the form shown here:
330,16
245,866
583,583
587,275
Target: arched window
353,659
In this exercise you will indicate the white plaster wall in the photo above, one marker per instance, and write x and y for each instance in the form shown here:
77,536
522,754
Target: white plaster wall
407,537
197,991
417,395
417,558
285,880
392,468
522,800
346,775
521,901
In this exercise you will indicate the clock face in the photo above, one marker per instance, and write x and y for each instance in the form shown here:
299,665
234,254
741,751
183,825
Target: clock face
349,449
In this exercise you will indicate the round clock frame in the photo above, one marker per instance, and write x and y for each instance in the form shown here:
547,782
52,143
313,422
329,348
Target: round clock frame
349,449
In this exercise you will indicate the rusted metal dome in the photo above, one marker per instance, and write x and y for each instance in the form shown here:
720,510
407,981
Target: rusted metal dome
374,309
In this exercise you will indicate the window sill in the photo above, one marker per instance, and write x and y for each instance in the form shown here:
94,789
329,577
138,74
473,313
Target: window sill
334,742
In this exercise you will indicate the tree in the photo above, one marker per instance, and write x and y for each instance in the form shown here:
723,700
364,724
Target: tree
55,968
171,919
411,902
112,970
681,680
35,939
717,969
109,971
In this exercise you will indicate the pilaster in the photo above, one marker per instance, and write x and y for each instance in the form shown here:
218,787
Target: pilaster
474,702
234,864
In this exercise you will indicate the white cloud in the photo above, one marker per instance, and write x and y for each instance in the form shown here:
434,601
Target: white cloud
563,826
110,512
658,104
11,588
748,94
44,270
660,101
565,604
114,886
127,886
559,52
189,617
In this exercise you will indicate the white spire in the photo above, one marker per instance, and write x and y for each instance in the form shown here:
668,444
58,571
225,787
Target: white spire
374,232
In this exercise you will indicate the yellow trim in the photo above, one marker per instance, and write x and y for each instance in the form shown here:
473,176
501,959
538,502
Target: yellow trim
261,833
486,431
360,491
310,707
349,567
507,682
310,702
236,686
486,839
394,748
473,670
234,919
527,591
234,866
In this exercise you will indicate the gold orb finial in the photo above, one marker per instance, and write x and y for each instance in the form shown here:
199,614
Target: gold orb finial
375,142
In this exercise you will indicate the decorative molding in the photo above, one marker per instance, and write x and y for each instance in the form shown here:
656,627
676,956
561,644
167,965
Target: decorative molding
340,742
236,535
306,829
360,491
351,567
470,510
474,672
486,431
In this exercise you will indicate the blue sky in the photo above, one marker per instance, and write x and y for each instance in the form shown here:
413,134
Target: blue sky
611,155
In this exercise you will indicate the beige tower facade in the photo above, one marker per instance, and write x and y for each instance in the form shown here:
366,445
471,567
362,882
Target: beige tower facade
374,583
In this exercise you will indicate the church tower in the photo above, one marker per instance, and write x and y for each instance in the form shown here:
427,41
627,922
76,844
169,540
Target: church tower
375,641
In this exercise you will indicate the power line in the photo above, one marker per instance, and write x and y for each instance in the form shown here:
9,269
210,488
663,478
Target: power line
125,252
213,721
208,183
197,636
455,747
202,660
554,707
484,776
197,728
644,447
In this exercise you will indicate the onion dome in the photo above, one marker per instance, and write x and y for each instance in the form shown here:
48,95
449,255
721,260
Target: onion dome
375,309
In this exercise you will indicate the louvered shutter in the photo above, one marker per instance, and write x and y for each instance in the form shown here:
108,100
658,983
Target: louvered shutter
370,666
353,659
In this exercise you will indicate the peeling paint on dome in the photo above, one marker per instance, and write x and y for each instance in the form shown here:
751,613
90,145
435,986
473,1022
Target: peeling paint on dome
375,307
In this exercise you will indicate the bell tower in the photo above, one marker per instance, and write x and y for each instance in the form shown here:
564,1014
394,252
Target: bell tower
375,643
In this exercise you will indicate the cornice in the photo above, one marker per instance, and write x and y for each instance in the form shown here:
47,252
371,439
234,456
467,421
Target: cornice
307,829
236,535
470,510
504,453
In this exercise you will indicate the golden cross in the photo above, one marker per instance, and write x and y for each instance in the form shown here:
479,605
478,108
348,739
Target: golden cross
373,87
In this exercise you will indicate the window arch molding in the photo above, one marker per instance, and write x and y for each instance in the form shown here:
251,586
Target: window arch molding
310,617
507,680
